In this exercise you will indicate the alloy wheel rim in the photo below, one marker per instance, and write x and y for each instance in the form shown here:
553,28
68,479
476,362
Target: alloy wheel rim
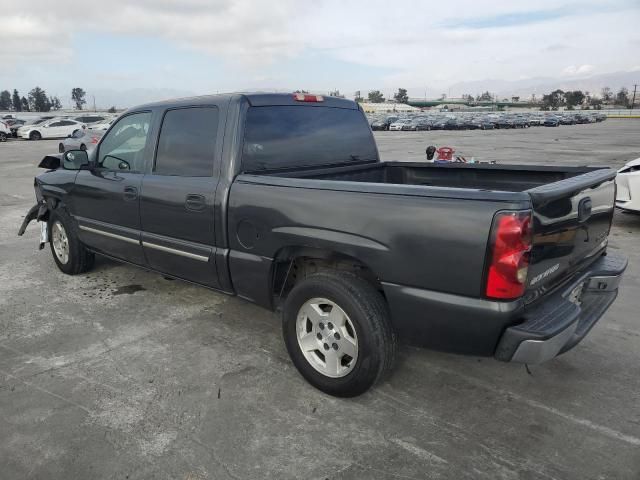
327,337
60,242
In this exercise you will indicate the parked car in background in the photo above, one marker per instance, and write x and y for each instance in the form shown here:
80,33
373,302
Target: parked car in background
505,122
567,120
551,122
521,122
380,124
54,128
628,187
82,139
5,132
397,125
14,125
423,124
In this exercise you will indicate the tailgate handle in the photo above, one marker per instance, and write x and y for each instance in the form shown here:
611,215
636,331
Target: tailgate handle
584,209
195,203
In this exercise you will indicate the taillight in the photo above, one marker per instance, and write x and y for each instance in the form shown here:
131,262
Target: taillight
509,254
303,97
94,139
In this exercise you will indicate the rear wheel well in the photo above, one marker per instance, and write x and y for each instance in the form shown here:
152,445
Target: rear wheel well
293,265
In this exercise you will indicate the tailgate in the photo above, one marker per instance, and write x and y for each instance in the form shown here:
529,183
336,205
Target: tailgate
572,218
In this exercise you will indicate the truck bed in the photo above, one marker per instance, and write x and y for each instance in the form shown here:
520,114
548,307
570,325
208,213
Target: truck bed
505,178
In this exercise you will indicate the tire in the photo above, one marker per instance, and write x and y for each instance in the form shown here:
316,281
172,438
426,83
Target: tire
35,136
3,137
83,147
60,148
366,331
78,259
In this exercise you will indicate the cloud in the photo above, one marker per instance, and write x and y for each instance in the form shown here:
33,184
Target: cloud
421,44
573,70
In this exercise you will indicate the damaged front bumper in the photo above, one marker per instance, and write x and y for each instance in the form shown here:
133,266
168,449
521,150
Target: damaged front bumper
39,212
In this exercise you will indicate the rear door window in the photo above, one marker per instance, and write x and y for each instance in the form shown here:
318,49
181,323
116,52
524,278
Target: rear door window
187,141
281,137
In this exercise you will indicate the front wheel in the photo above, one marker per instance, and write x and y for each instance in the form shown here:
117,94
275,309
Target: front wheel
35,136
3,137
70,255
337,330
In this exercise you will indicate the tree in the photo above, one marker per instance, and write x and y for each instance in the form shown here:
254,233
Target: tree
5,100
622,97
17,105
297,91
375,96
554,100
607,96
55,103
24,105
401,96
468,97
38,100
336,93
574,98
485,97
112,110
77,96
515,99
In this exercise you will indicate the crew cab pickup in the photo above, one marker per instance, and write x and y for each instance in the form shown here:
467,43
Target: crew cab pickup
282,200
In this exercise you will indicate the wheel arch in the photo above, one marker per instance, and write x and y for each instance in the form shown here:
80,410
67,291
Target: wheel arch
294,262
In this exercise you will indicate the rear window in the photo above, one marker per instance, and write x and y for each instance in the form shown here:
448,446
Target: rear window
281,137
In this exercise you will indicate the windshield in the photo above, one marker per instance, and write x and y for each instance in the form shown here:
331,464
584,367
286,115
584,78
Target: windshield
278,137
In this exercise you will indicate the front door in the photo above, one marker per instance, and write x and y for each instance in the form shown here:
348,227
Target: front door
177,200
106,202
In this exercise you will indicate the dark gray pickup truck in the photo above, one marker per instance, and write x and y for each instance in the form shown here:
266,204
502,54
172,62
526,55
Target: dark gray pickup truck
282,200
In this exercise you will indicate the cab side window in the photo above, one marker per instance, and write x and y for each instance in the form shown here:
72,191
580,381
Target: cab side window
123,147
186,146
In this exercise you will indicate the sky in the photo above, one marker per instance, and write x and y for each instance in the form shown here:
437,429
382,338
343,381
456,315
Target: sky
124,51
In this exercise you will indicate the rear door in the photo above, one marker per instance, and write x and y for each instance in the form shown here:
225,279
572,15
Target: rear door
572,219
177,201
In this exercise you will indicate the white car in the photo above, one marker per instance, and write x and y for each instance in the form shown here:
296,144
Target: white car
628,183
5,132
82,139
398,125
55,128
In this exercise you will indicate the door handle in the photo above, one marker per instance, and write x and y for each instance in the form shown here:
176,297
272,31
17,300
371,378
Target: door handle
130,193
194,202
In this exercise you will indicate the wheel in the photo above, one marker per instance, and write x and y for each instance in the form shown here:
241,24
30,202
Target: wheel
70,255
3,137
336,328
35,136
83,147
61,148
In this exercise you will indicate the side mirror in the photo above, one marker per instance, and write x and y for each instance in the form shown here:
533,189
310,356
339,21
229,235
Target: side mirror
75,160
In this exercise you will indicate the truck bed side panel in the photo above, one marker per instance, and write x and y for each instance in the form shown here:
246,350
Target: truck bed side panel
432,243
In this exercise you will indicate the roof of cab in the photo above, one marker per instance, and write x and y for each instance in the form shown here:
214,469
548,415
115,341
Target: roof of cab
256,99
